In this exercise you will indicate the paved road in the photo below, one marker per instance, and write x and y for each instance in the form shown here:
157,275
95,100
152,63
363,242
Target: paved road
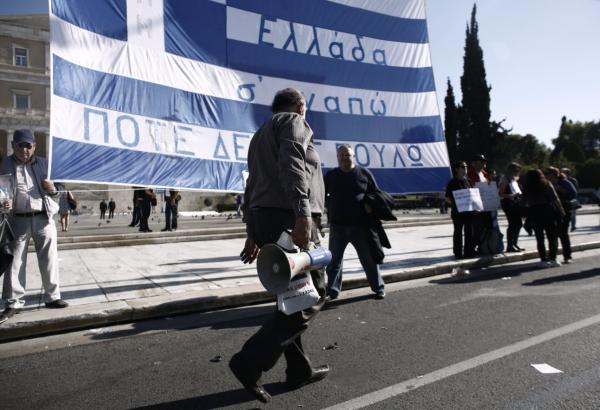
437,343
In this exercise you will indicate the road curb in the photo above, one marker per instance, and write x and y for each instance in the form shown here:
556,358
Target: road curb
44,321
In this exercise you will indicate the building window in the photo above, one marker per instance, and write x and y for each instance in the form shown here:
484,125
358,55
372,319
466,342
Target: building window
21,55
21,101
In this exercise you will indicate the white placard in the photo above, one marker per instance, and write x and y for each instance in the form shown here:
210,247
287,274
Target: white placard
300,294
467,200
515,188
489,195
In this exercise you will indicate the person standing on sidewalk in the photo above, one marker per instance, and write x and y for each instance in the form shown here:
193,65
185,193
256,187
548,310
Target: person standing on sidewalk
345,190
136,213
31,217
544,214
172,198
572,180
482,221
566,193
146,197
103,208
284,191
111,208
510,193
462,221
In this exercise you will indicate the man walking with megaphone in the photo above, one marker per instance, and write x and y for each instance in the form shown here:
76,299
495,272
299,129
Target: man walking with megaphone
284,191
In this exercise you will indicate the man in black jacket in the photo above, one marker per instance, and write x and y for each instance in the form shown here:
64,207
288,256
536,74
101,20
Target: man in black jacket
345,191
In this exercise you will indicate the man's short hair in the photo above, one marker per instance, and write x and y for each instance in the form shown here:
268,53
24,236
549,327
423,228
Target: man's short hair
343,146
287,100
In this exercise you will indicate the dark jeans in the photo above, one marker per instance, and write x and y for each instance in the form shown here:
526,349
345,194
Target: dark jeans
563,235
550,230
280,334
515,223
463,223
111,213
358,235
103,214
170,216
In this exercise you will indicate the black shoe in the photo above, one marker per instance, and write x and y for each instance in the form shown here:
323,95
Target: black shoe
57,304
165,230
240,371
519,248
380,295
318,373
131,225
512,249
7,314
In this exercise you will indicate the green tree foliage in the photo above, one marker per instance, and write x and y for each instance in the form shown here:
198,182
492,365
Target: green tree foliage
525,150
475,95
451,124
588,174
576,141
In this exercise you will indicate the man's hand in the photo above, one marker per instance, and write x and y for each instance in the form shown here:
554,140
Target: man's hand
48,186
250,251
6,205
301,232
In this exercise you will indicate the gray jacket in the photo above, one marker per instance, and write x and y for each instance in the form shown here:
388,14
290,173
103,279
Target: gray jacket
39,166
284,167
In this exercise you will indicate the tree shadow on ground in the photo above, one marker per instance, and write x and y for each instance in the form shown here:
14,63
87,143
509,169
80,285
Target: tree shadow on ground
488,274
416,262
204,260
245,317
586,274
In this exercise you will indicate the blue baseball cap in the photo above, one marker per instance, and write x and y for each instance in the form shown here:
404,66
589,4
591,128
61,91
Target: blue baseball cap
23,136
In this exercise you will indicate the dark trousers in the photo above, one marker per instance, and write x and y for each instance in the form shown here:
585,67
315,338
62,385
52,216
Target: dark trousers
145,210
111,213
103,214
463,227
170,216
515,223
563,235
482,223
136,214
550,229
280,334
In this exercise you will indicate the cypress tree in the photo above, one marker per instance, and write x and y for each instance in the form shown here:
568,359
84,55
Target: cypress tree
475,95
451,124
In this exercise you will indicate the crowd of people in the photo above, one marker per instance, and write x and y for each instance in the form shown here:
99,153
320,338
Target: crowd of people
544,203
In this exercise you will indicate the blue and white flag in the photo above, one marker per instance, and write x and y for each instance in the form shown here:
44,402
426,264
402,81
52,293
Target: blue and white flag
168,93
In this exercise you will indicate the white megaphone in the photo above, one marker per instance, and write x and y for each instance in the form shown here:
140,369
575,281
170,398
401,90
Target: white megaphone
276,267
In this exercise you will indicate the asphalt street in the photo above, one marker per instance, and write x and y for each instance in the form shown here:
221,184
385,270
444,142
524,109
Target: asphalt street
435,343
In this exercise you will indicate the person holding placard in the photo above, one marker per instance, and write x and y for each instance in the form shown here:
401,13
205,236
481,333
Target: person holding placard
482,221
510,192
462,221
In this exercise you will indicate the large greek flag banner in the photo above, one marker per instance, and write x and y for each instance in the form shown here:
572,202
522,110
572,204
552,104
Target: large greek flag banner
168,93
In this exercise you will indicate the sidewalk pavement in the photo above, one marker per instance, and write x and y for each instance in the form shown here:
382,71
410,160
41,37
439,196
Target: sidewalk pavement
123,284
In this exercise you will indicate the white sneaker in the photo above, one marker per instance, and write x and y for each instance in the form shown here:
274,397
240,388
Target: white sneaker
554,264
